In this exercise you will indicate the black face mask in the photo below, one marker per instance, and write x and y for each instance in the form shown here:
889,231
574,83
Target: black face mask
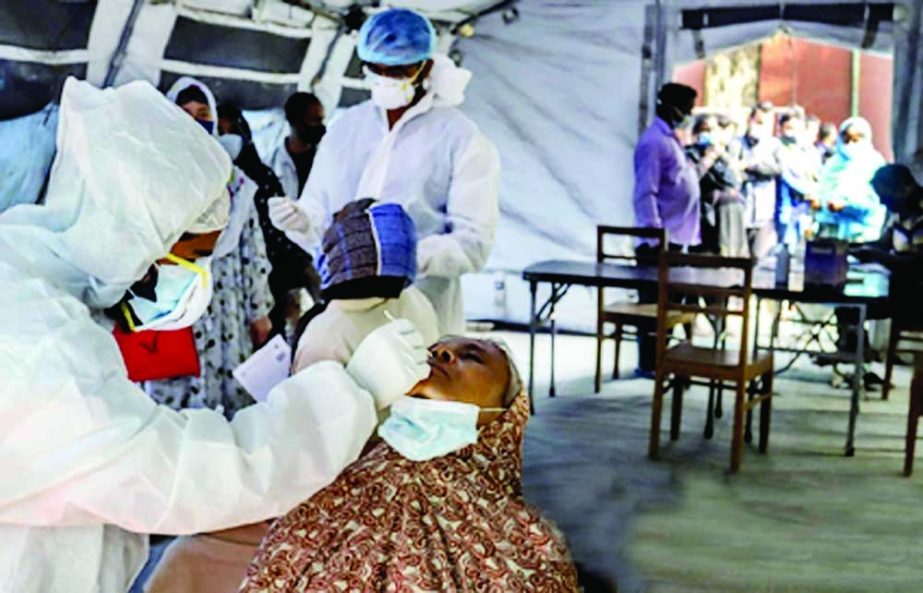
310,134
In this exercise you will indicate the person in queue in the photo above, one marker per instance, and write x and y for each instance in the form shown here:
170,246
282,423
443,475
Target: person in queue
90,463
796,186
722,218
293,280
756,156
666,192
293,158
411,145
849,207
436,506
237,321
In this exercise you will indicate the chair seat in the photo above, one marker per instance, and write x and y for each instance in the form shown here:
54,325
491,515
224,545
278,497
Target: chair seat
709,362
633,312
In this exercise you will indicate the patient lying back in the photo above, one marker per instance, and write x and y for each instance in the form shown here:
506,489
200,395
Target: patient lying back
437,506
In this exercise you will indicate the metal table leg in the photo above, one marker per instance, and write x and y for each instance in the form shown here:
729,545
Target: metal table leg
533,326
554,335
857,381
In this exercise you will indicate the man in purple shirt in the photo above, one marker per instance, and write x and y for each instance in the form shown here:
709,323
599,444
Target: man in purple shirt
666,184
666,192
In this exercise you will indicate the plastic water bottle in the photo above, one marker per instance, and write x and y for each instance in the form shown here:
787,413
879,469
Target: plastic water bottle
783,263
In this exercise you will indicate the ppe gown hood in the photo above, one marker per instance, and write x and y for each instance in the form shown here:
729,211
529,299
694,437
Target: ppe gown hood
132,173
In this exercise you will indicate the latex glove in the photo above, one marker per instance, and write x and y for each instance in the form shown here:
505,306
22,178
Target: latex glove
390,361
286,215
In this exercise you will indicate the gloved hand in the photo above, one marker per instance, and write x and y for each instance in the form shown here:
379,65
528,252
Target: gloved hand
390,361
286,215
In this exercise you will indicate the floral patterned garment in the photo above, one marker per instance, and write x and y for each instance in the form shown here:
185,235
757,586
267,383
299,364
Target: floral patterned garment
222,335
455,523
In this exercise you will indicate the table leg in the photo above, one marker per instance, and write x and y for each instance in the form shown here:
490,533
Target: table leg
533,325
857,381
776,324
554,335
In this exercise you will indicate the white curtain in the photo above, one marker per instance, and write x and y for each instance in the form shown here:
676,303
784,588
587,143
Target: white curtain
557,92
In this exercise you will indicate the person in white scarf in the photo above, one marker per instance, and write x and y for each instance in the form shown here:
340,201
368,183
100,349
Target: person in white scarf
849,207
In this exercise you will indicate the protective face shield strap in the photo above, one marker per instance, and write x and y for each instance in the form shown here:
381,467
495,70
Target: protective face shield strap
191,266
175,307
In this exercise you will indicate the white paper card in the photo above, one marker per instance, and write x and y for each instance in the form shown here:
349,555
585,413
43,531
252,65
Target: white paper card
268,367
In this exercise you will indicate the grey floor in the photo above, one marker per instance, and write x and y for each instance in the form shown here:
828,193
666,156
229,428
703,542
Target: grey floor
803,518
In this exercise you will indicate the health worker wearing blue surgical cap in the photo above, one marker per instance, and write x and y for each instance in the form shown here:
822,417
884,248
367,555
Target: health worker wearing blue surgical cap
408,144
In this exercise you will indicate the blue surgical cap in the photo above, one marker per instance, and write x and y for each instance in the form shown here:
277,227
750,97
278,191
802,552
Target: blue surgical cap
396,37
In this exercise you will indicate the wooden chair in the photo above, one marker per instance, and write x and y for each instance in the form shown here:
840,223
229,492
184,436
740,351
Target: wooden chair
902,330
683,282
913,417
622,315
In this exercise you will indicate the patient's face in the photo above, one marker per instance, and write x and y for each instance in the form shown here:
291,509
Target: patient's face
466,370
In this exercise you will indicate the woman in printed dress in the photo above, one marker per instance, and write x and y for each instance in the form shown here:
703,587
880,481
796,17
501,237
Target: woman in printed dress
237,320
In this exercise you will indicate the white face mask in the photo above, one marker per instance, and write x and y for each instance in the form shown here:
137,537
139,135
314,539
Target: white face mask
232,144
392,93
181,297
422,429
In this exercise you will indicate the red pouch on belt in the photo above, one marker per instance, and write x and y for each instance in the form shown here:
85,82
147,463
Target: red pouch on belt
152,355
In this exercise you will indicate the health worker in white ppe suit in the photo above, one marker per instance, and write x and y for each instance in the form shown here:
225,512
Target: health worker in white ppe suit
88,462
411,145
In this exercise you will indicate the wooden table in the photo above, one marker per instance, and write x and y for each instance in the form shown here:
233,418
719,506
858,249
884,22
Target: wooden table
866,287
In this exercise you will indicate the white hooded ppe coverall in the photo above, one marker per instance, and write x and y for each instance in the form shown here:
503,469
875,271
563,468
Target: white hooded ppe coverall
436,164
87,461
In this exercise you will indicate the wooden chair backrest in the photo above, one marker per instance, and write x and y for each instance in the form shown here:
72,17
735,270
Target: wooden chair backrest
718,279
603,231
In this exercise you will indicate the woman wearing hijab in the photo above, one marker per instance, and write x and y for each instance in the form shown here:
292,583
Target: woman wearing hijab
437,506
237,321
850,208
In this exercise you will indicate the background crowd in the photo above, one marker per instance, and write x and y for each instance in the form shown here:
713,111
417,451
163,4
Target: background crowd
782,179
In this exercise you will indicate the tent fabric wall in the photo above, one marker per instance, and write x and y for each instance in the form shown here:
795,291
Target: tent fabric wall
26,154
557,91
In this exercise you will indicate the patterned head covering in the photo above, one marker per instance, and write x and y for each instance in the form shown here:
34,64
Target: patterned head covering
454,523
368,245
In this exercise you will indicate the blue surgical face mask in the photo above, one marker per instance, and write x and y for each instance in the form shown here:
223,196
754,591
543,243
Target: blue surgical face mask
422,429
704,139
208,125
181,296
